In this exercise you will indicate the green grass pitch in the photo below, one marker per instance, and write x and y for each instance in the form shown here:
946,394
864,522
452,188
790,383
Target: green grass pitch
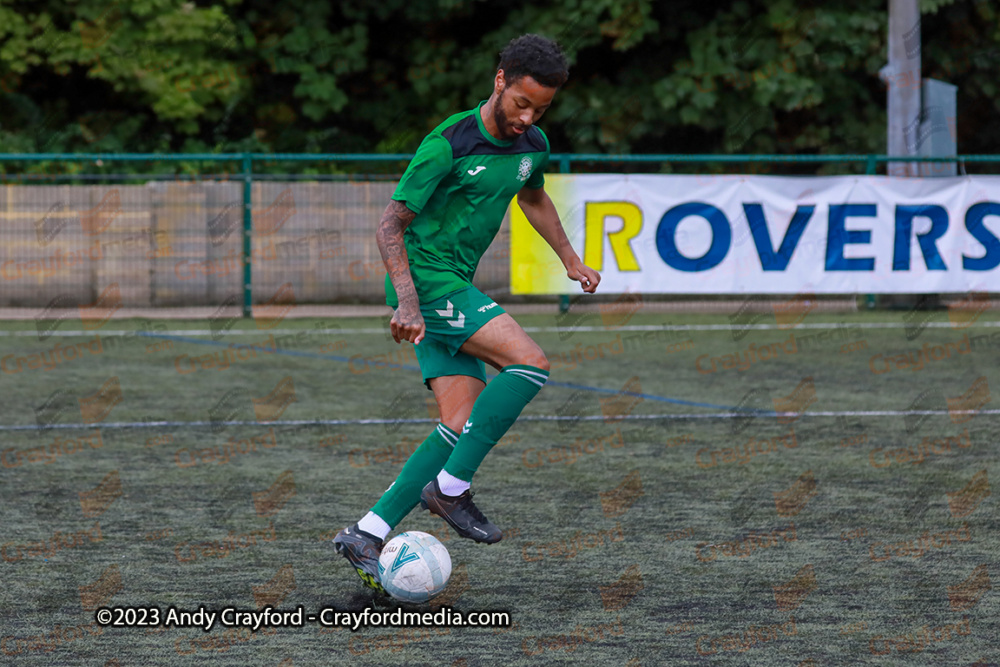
657,511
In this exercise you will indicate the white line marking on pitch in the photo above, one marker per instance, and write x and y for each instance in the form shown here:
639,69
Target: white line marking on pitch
526,418
568,329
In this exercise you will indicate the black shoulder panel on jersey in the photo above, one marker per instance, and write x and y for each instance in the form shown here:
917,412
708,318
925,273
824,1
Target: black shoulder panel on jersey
466,139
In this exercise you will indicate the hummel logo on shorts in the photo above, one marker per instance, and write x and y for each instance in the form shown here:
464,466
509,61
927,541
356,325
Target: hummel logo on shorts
478,169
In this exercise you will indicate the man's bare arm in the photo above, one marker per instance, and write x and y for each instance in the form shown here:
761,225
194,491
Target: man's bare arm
396,218
407,323
541,213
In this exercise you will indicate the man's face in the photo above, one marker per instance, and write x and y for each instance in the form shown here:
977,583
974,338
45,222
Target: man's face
520,105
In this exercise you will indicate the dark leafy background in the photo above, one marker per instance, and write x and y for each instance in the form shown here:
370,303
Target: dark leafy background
744,76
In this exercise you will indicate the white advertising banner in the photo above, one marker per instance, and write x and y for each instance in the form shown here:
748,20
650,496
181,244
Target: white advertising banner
768,234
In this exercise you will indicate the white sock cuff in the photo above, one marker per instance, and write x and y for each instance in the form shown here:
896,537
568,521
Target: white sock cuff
375,525
451,485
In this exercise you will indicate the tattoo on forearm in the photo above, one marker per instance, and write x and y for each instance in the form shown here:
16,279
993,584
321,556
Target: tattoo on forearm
389,236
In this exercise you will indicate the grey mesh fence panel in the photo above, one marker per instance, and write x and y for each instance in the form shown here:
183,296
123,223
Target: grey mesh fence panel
180,244
201,224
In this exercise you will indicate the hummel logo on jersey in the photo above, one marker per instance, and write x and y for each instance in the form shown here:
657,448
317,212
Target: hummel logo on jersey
478,169
458,322
468,425
483,309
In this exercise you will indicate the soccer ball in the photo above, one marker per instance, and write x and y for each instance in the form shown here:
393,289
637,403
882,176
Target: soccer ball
414,567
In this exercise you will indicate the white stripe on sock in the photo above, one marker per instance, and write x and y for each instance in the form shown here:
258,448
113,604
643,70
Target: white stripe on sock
449,437
528,378
543,376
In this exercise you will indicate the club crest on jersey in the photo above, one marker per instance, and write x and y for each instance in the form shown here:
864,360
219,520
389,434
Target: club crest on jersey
524,169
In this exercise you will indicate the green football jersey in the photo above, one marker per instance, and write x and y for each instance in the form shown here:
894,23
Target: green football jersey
459,184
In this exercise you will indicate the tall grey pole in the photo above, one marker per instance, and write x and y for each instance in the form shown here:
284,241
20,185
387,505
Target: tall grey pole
902,76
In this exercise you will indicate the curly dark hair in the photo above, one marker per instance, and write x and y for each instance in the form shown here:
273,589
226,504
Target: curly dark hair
534,56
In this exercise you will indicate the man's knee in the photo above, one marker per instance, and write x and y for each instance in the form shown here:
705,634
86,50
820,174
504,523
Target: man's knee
537,359
542,363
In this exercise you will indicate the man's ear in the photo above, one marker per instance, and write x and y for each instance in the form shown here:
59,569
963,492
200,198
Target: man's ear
500,82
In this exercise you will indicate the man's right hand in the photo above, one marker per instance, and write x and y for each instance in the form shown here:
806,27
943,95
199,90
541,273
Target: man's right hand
407,323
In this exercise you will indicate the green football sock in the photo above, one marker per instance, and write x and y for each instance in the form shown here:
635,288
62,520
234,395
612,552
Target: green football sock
424,463
493,413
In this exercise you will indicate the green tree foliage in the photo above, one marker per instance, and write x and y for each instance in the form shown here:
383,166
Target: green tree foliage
742,76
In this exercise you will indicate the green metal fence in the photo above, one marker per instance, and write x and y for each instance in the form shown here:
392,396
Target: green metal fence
248,169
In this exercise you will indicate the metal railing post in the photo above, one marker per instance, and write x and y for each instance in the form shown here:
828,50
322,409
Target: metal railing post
247,171
871,168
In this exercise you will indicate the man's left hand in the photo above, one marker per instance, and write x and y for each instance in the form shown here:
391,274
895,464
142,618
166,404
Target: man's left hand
588,278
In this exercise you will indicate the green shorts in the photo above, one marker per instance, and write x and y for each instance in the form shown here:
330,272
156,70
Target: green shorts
450,321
